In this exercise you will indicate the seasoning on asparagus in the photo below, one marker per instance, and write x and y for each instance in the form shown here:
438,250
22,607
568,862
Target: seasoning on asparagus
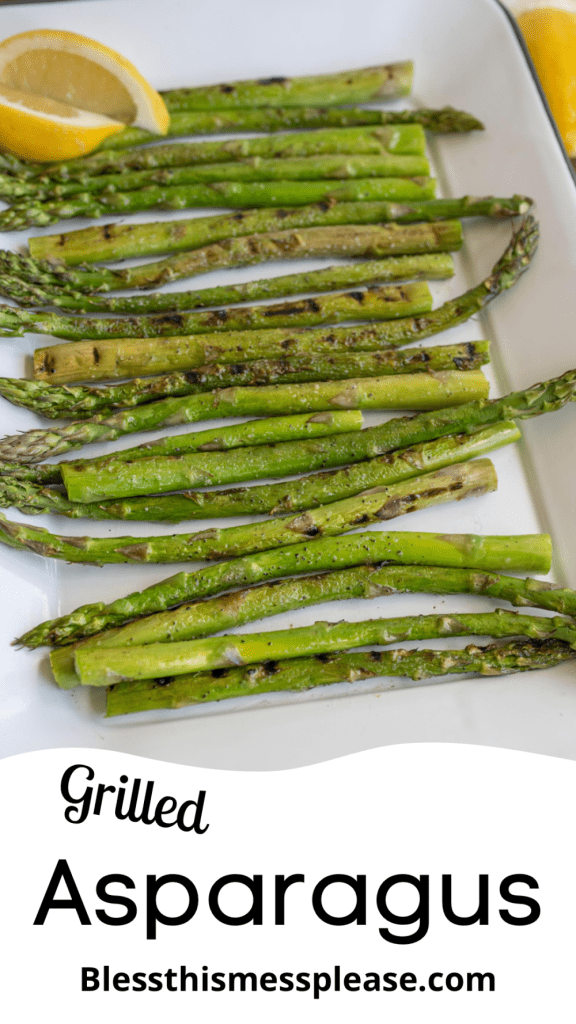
270,119
385,81
520,553
405,391
100,666
235,194
275,499
378,505
228,611
120,241
57,402
393,138
301,674
374,271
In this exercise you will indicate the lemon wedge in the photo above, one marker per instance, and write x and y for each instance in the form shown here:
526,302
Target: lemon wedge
62,94
550,35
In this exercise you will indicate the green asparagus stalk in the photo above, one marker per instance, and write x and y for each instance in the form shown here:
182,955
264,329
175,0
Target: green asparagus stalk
103,479
57,402
254,432
85,360
405,391
308,168
275,499
235,194
271,119
101,666
357,86
305,673
393,268
514,261
382,503
368,241
406,139
203,618
120,241
110,358
525,553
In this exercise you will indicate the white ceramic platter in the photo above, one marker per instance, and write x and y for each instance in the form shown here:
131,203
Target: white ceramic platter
467,55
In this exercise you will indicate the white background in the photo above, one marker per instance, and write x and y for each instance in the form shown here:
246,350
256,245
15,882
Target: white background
416,809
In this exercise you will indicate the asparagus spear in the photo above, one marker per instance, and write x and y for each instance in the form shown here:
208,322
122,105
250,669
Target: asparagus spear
529,553
56,401
120,241
406,391
270,119
202,618
305,673
392,268
236,194
100,666
297,495
103,479
512,264
365,240
86,360
382,503
253,169
408,139
357,86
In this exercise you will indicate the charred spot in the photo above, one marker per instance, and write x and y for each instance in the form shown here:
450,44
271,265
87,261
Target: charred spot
272,81
49,364
95,355
360,520
287,343
238,216
106,232
357,296
312,532
217,673
173,319
270,667
454,487
166,681
306,306
217,316
281,214
324,659
376,655
193,378
226,88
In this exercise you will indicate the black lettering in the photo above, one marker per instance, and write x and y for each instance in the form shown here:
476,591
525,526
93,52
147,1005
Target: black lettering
389,983
322,983
243,978
121,982
480,915
218,982
352,982
154,915
408,982
164,807
254,915
479,978
155,982
62,873
185,976
526,901
83,801
196,825
420,915
99,796
281,886
358,886
139,982
122,901
90,982
286,982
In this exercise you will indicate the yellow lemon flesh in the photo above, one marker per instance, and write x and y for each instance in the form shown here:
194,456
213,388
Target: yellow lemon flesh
550,35
62,94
